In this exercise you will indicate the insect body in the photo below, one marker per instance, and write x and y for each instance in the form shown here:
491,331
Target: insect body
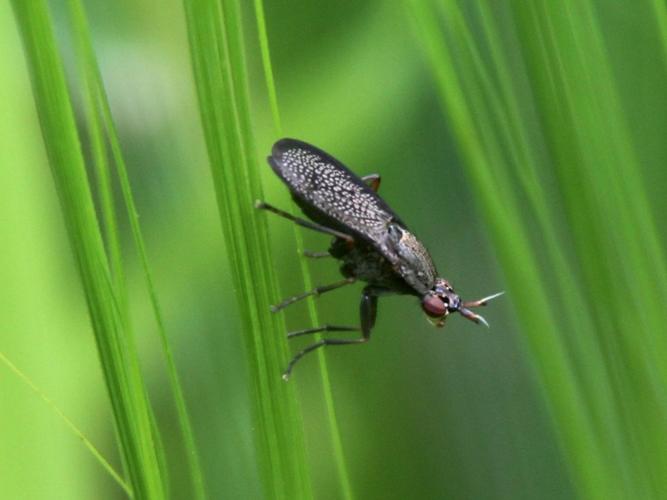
372,242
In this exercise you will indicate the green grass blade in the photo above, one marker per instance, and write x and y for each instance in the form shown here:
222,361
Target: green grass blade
100,120
660,10
120,366
552,116
267,67
515,252
217,52
334,431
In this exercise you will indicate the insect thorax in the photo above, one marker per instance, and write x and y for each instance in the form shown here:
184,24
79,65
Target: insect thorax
412,260
363,262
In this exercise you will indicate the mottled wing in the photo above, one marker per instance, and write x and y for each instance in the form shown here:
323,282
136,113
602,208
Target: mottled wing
322,182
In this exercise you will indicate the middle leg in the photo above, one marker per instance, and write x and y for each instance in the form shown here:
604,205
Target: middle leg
367,312
317,291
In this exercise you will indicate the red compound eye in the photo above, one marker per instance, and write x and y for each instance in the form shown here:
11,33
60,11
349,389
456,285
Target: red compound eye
434,306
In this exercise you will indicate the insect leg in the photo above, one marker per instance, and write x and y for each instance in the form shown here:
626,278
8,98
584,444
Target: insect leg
315,291
303,222
325,328
373,181
315,255
368,312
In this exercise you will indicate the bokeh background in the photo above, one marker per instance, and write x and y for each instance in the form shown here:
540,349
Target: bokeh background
459,412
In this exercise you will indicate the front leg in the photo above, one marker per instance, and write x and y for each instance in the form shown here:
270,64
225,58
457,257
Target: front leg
261,205
367,313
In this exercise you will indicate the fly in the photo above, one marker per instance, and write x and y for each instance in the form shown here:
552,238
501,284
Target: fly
373,244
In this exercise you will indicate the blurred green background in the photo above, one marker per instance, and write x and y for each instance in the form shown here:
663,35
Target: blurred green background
460,412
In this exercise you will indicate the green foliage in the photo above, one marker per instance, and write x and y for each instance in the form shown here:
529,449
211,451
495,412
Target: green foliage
69,424
115,345
216,43
99,121
523,143
334,430
590,296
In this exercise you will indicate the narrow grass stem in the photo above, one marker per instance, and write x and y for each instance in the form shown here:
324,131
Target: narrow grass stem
334,430
97,455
